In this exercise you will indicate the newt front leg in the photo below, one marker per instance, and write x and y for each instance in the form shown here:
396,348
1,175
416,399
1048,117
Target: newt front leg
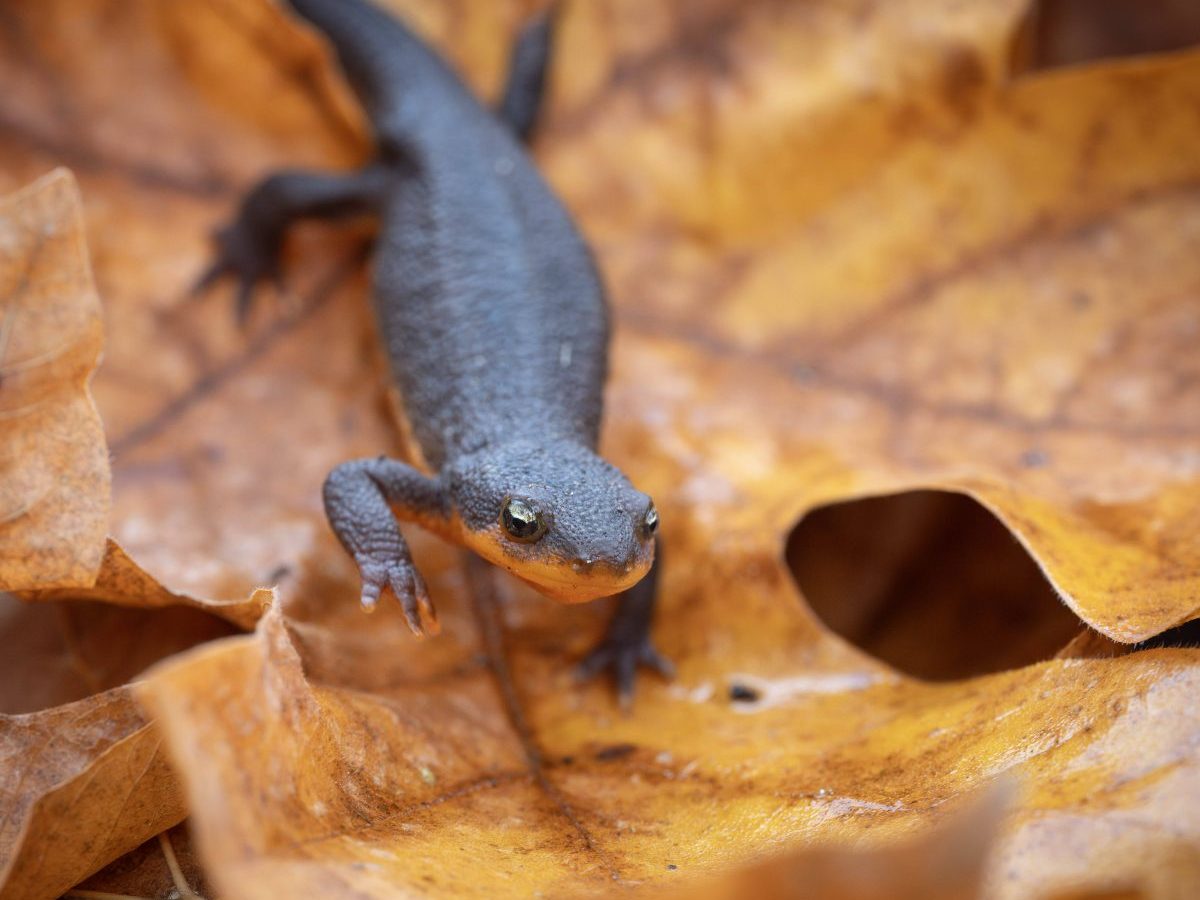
362,500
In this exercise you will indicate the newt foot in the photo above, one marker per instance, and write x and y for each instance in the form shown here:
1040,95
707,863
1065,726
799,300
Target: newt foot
622,658
408,587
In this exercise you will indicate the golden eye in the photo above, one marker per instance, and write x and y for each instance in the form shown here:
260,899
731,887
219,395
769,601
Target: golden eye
521,521
650,523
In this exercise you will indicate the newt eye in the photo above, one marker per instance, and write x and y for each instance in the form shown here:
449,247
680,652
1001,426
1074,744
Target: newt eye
521,521
650,523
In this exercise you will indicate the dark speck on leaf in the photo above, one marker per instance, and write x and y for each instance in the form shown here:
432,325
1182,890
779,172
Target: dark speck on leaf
1034,459
213,454
568,760
740,693
616,751
279,573
672,866
802,372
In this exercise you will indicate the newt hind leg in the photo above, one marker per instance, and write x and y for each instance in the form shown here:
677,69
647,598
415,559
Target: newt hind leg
248,248
526,83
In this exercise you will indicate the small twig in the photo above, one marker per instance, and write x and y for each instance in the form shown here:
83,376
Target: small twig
181,885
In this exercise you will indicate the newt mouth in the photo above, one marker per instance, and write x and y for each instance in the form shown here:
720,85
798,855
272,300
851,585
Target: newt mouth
558,579
567,586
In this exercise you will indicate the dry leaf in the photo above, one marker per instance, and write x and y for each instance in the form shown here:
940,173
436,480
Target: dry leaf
425,783
54,479
83,777
82,784
945,863
55,491
995,294
123,582
55,497
849,256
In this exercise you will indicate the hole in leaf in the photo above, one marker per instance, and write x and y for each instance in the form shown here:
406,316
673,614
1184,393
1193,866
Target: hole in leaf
1071,32
930,582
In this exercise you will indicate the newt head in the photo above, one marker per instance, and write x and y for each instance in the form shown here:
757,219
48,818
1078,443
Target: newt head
557,516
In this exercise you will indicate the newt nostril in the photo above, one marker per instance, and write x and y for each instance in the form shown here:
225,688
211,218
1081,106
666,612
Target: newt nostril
583,564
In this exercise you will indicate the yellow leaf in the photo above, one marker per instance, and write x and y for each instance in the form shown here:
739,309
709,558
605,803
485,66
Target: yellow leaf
850,255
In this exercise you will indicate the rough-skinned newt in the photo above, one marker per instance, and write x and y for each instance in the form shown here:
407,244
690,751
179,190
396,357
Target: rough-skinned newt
496,329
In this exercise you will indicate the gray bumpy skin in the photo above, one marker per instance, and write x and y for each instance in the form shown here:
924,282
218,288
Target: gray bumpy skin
496,328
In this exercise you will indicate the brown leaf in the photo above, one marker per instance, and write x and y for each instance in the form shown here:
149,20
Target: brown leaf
122,581
55,493
850,256
82,775
82,784
54,478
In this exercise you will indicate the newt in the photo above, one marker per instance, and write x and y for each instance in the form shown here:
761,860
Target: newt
496,328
